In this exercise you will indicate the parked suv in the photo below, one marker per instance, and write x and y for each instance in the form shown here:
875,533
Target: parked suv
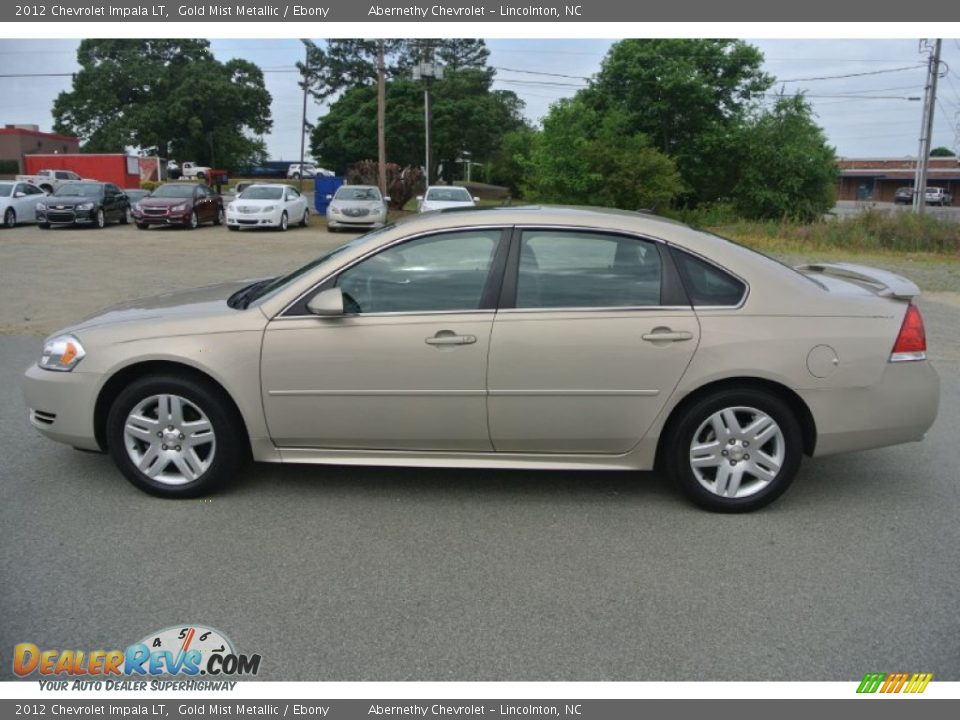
83,203
187,204
938,196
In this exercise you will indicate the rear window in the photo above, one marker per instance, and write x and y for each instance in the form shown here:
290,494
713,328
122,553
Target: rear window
706,284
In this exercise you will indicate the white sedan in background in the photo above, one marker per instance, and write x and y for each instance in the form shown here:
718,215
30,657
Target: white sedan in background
18,202
443,197
267,205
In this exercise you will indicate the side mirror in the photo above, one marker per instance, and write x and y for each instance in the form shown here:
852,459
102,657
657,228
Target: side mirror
328,303
329,197
19,194
476,199
386,199
419,198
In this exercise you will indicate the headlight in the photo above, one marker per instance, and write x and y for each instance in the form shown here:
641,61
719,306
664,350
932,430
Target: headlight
268,208
179,208
85,206
62,353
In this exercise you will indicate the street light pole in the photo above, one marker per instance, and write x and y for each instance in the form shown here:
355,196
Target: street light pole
428,72
303,117
381,119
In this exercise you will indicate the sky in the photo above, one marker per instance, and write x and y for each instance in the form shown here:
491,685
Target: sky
856,124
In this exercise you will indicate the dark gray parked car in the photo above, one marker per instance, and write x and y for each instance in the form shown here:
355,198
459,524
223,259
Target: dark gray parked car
84,203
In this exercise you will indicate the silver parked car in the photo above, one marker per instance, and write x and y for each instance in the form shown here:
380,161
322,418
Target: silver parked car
541,338
357,207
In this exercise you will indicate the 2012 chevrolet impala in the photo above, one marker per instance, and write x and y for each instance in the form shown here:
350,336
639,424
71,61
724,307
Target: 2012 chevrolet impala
529,337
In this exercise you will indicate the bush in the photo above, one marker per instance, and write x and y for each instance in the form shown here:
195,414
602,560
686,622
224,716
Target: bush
150,185
402,183
9,167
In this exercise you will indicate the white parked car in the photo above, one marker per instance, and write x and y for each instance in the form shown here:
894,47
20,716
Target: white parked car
309,170
18,202
265,205
442,197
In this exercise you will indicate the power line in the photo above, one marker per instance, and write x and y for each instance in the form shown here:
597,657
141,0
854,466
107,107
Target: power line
534,72
851,75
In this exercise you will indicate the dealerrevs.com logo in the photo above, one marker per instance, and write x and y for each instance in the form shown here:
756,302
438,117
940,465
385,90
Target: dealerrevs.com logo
183,650
889,683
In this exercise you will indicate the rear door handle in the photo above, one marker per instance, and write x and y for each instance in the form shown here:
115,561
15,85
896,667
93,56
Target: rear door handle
448,337
667,335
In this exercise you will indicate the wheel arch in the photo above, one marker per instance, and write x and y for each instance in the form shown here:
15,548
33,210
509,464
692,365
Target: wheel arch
801,411
130,373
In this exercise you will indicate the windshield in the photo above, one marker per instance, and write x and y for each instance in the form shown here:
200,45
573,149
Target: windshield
5,189
357,193
173,191
260,192
81,189
278,283
449,195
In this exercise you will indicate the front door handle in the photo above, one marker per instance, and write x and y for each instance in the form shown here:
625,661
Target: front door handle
448,337
667,335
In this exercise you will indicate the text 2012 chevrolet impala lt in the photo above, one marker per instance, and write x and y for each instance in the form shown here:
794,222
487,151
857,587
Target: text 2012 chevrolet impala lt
503,338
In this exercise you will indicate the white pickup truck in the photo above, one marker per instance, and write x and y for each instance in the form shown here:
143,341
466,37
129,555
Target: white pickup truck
187,171
50,180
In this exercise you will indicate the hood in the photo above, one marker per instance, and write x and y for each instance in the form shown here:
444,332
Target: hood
68,200
443,204
163,202
180,305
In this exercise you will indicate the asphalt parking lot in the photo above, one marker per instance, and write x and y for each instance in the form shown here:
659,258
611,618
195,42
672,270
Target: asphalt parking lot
390,574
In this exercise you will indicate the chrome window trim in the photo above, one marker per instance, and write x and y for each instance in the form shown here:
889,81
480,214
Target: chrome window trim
596,308
343,268
424,313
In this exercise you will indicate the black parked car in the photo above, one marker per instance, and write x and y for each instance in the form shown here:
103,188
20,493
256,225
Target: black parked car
84,203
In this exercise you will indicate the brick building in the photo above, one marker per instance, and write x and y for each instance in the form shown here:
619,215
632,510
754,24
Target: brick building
19,140
878,178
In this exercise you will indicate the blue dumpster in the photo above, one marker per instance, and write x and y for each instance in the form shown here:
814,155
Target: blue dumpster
324,186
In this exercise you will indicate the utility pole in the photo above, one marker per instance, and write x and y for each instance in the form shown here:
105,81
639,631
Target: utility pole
428,72
926,130
303,117
381,119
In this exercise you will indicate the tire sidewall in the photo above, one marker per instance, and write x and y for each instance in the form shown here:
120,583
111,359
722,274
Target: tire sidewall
284,221
101,219
194,222
227,454
305,220
10,218
682,436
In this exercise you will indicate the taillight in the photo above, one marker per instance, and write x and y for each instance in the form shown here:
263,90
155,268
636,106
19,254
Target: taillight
911,343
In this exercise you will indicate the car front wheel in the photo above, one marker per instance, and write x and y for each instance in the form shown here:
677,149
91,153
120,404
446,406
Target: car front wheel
101,219
284,222
194,222
173,437
10,218
735,450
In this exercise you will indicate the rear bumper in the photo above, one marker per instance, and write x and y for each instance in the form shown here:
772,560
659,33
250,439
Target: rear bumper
60,405
900,408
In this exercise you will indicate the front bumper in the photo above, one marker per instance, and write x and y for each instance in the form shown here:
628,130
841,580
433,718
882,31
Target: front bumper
366,222
60,405
235,219
69,216
167,219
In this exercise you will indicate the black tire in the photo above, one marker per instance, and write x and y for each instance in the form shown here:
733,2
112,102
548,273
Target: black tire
221,216
125,218
681,437
10,218
227,429
101,219
305,220
43,226
232,228
284,221
194,221
142,226
47,189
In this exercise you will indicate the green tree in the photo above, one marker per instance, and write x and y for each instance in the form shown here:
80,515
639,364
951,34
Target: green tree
467,117
786,167
942,152
169,97
689,96
508,165
584,157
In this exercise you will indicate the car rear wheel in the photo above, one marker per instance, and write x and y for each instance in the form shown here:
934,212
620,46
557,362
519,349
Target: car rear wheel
305,220
10,218
173,437
735,450
284,222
